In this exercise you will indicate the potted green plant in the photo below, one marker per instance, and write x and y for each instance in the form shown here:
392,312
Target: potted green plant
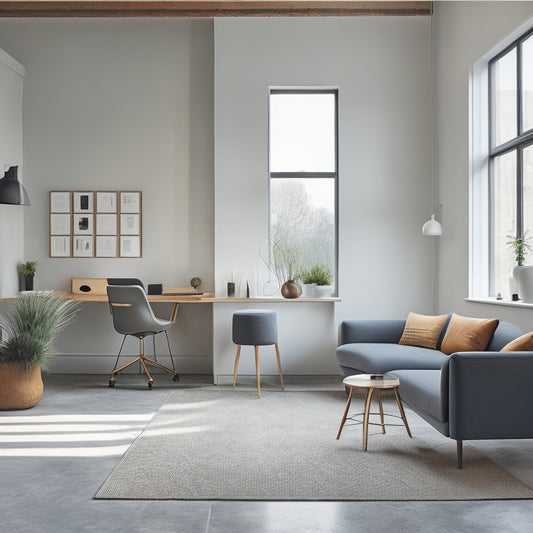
28,271
286,267
317,281
32,322
522,275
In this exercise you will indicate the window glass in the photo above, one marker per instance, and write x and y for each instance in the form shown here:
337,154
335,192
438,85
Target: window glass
504,121
504,219
527,193
527,83
302,132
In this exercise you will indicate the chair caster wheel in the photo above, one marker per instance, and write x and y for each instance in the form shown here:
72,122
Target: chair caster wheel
150,383
176,377
111,382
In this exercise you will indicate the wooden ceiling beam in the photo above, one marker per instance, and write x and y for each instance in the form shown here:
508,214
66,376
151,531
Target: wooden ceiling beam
211,8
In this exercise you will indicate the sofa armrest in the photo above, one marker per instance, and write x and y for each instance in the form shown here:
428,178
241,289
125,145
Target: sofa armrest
370,331
491,395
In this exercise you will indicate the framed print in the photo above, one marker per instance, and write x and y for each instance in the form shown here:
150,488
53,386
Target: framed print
130,246
130,224
59,202
60,224
83,202
106,202
106,246
82,224
130,202
59,246
82,246
106,224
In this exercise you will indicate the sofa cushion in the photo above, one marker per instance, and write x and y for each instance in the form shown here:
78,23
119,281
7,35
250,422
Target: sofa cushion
423,330
377,358
522,344
466,334
421,389
505,333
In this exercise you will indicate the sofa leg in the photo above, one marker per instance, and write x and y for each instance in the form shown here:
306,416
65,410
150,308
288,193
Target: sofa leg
460,454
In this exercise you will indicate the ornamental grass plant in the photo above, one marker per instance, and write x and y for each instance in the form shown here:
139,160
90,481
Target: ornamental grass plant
32,323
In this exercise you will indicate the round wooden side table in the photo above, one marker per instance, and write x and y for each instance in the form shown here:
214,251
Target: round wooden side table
371,382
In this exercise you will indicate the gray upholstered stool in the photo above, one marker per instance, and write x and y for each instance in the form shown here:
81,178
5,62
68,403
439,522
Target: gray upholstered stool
255,327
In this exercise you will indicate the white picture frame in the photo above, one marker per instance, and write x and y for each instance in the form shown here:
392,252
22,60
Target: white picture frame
60,224
106,246
60,202
106,224
83,202
106,202
130,202
59,246
130,246
82,224
82,246
130,224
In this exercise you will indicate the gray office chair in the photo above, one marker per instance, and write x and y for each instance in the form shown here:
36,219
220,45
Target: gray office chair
132,315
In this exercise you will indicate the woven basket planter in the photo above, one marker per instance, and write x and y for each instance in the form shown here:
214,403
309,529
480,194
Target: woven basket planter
19,389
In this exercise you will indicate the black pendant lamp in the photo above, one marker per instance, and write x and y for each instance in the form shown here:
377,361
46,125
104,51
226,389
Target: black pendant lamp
11,190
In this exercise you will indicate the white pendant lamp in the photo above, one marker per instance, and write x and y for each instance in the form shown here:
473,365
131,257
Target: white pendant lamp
432,227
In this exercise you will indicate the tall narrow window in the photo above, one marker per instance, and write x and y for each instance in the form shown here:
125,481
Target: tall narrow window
303,177
510,155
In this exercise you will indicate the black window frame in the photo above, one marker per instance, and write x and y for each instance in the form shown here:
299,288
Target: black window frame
334,175
521,141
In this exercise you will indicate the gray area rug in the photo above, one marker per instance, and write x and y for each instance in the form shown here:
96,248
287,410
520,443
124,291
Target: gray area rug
212,444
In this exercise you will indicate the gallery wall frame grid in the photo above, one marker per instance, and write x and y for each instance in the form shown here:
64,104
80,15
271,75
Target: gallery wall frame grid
95,224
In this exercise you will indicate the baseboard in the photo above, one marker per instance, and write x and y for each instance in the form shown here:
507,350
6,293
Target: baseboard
103,364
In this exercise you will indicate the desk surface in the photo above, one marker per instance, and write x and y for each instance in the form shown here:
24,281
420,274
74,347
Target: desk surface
206,297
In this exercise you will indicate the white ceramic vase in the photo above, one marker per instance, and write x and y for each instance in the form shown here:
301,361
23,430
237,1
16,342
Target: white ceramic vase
524,276
323,291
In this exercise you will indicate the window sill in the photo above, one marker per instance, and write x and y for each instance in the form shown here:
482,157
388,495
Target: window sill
493,301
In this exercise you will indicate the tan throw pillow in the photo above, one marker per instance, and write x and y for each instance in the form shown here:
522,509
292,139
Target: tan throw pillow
423,330
522,344
468,334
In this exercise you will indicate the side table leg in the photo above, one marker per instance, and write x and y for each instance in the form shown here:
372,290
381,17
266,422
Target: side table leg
345,415
381,413
400,407
366,415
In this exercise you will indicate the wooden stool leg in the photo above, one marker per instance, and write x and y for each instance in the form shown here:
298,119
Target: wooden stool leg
344,416
279,366
402,412
366,415
236,364
381,413
257,371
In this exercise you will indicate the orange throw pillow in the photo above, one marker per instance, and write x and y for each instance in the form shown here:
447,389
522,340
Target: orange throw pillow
522,344
423,330
468,334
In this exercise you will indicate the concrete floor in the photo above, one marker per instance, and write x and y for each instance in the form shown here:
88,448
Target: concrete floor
54,457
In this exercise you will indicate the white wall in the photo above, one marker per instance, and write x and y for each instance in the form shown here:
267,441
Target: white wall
465,31
11,216
381,67
118,105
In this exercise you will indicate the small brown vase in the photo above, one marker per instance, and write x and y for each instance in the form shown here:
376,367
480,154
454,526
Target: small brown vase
19,389
291,289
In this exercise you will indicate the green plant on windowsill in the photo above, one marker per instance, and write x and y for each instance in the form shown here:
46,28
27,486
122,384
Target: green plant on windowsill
520,246
317,274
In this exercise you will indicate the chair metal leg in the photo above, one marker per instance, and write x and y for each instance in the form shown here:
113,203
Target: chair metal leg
170,352
153,342
119,352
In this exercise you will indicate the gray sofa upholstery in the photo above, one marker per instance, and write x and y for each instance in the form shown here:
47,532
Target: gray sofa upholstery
465,396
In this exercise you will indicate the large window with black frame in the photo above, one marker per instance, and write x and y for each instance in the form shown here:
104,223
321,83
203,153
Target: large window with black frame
303,176
510,156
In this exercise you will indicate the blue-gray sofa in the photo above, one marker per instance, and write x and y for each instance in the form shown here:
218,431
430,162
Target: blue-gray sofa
465,396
